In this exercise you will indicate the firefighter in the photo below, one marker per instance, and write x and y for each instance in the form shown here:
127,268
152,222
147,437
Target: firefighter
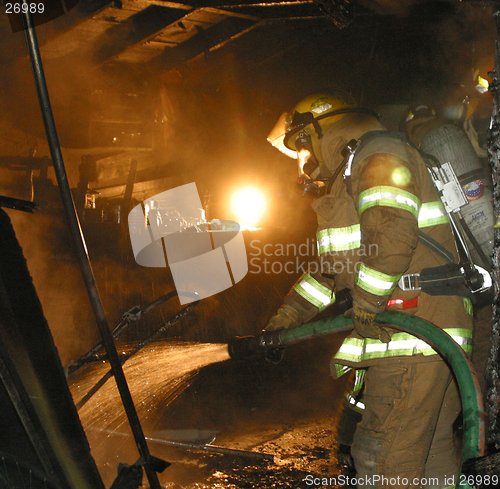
374,198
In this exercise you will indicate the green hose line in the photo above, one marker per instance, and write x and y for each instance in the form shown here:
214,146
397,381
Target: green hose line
472,405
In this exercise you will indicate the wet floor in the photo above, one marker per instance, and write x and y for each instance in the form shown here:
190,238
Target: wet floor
220,423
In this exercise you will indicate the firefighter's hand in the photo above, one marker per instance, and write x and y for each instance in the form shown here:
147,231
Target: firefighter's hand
286,317
365,325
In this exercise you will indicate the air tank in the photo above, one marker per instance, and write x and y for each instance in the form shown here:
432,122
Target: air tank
450,144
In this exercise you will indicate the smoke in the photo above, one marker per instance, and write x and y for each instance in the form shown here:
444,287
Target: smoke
390,7
464,40
214,128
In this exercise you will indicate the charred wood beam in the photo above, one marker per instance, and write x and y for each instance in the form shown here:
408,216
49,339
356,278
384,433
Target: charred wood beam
263,42
221,4
276,10
18,204
83,11
24,162
203,42
36,381
493,365
145,175
135,30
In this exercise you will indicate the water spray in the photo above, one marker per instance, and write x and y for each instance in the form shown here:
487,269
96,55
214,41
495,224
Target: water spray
130,317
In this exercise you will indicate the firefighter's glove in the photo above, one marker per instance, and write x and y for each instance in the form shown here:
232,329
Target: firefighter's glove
365,325
286,317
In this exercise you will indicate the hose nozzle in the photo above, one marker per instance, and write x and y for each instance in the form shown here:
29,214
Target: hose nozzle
268,344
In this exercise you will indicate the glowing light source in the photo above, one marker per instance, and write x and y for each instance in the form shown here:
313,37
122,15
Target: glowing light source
249,205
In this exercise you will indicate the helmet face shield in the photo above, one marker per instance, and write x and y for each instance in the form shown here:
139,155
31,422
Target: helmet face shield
277,135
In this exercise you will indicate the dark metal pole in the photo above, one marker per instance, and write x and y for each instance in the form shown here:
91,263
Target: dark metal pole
81,248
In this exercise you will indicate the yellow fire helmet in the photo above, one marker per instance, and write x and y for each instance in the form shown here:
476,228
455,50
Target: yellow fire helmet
308,121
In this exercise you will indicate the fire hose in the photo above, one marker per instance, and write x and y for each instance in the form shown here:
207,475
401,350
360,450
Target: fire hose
470,392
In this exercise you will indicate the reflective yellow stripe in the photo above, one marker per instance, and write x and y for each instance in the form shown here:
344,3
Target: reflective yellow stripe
432,214
349,237
388,197
376,282
401,344
314,292
469,308
341,370
339,239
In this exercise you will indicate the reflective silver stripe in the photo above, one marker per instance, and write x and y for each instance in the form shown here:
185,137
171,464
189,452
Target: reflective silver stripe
375,282
357,405
401,344
311,289
432,214
389,197
314,292
339,239
359,377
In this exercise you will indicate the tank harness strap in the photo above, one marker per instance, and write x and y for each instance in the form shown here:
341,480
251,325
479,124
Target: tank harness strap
435,246
442,280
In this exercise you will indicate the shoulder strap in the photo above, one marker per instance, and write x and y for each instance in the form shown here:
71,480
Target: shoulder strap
435,246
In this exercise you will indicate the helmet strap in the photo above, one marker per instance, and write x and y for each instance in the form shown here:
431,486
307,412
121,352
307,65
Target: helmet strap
317,128
306,120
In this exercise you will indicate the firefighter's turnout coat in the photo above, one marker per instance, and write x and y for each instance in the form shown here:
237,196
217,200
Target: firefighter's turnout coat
368,241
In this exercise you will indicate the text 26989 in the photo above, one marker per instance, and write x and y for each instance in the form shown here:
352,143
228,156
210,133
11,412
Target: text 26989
17,8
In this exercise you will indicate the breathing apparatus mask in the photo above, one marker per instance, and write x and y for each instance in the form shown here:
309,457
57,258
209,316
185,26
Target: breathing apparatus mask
309,182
